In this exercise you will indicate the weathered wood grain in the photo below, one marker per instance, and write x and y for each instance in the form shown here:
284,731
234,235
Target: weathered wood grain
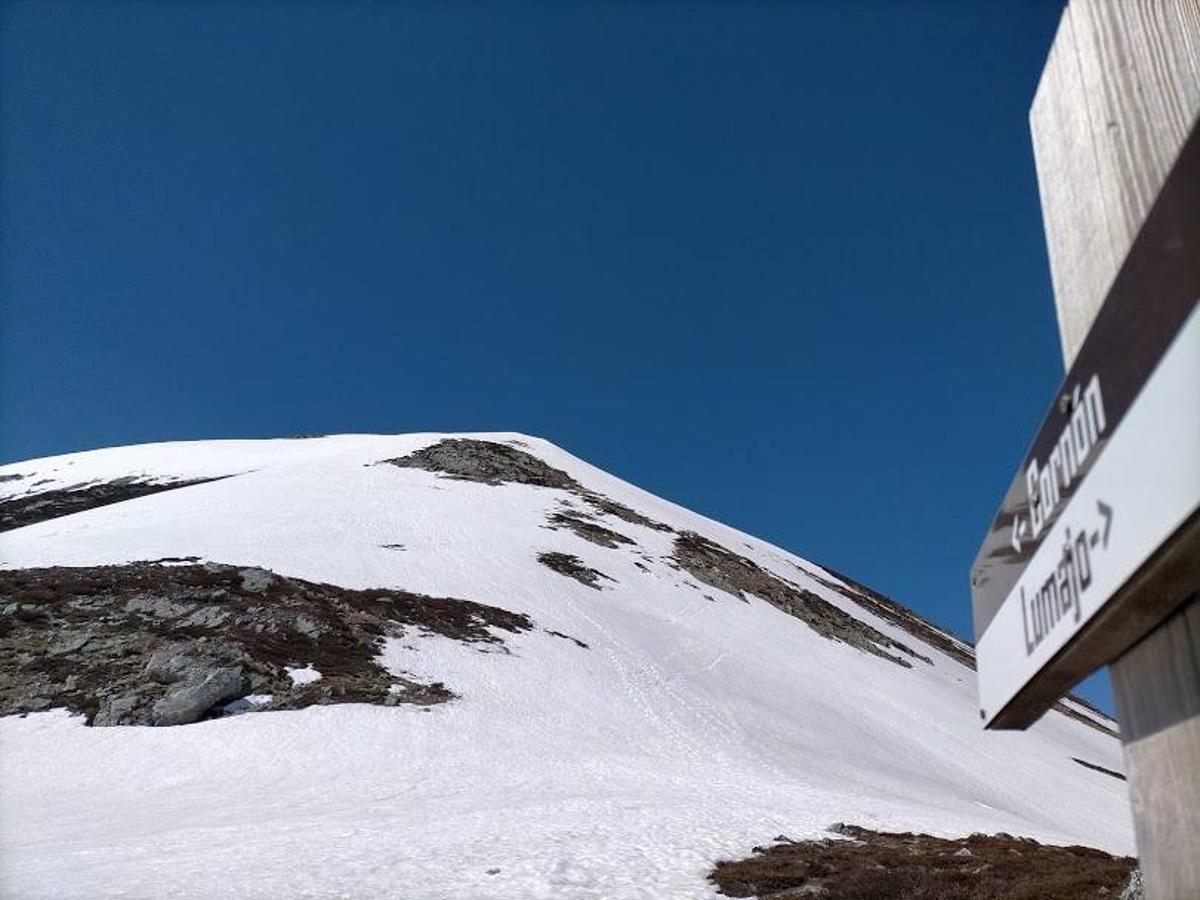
1119,94
1118,98
1157,687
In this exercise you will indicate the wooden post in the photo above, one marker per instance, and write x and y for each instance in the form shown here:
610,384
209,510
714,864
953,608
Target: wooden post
1119,96
1157,687
1117,99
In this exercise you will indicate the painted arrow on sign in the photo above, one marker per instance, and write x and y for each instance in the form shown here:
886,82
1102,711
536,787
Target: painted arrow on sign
1107,512
1017,528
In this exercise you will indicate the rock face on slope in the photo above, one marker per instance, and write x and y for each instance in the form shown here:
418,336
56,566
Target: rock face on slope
548,677
730,572
486,462
169,644
158,643
494,464
587,529
39,506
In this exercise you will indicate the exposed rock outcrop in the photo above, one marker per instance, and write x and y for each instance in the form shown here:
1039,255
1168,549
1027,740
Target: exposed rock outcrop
572,567
489,462
727,571
607,505
31,508
154,644
588,530
954,647
901,616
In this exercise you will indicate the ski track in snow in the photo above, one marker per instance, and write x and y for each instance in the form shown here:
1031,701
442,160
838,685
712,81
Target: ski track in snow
688,731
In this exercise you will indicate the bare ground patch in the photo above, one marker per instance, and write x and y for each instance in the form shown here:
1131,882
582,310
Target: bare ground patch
572,567
488,462
588,530
29,509
901,616
608,506
871,865
145,643
727,571
954,647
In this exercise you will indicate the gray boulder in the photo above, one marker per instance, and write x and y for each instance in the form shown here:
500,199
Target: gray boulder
187,704
118,711
256,580
168,665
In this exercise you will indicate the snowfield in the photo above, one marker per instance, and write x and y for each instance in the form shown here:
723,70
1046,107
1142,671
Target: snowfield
687,730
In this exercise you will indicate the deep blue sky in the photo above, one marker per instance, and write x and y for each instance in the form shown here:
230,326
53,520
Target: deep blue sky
782,263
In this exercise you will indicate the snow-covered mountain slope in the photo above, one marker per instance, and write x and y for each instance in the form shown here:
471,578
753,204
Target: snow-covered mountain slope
682,692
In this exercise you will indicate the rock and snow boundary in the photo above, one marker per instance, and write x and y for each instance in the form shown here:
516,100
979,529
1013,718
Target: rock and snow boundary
668,692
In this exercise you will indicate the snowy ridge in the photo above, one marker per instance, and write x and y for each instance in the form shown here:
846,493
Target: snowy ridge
690,727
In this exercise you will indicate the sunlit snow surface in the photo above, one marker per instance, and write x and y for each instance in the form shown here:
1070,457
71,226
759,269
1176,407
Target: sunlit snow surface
687,731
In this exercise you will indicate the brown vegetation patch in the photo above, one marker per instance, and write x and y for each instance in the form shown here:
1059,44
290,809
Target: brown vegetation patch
486,462
953,646
588,530
874,865
572,567
29,509
145,643
611,507
725,570
901,616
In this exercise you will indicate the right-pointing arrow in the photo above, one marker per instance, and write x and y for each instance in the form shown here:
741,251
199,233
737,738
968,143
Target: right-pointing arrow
1107,512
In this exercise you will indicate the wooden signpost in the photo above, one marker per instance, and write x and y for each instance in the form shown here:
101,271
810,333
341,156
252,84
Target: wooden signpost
1094,556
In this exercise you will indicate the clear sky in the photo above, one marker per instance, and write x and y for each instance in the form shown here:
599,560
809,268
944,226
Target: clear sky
781,263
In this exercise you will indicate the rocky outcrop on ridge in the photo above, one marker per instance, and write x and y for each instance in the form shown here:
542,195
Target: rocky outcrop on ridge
721,568
492,463
486,462
172,642
572,567
40,506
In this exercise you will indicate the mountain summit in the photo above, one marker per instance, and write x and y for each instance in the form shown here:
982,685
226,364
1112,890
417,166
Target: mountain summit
459,666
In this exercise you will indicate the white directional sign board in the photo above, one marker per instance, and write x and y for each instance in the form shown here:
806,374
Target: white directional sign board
1112,477
1143,487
